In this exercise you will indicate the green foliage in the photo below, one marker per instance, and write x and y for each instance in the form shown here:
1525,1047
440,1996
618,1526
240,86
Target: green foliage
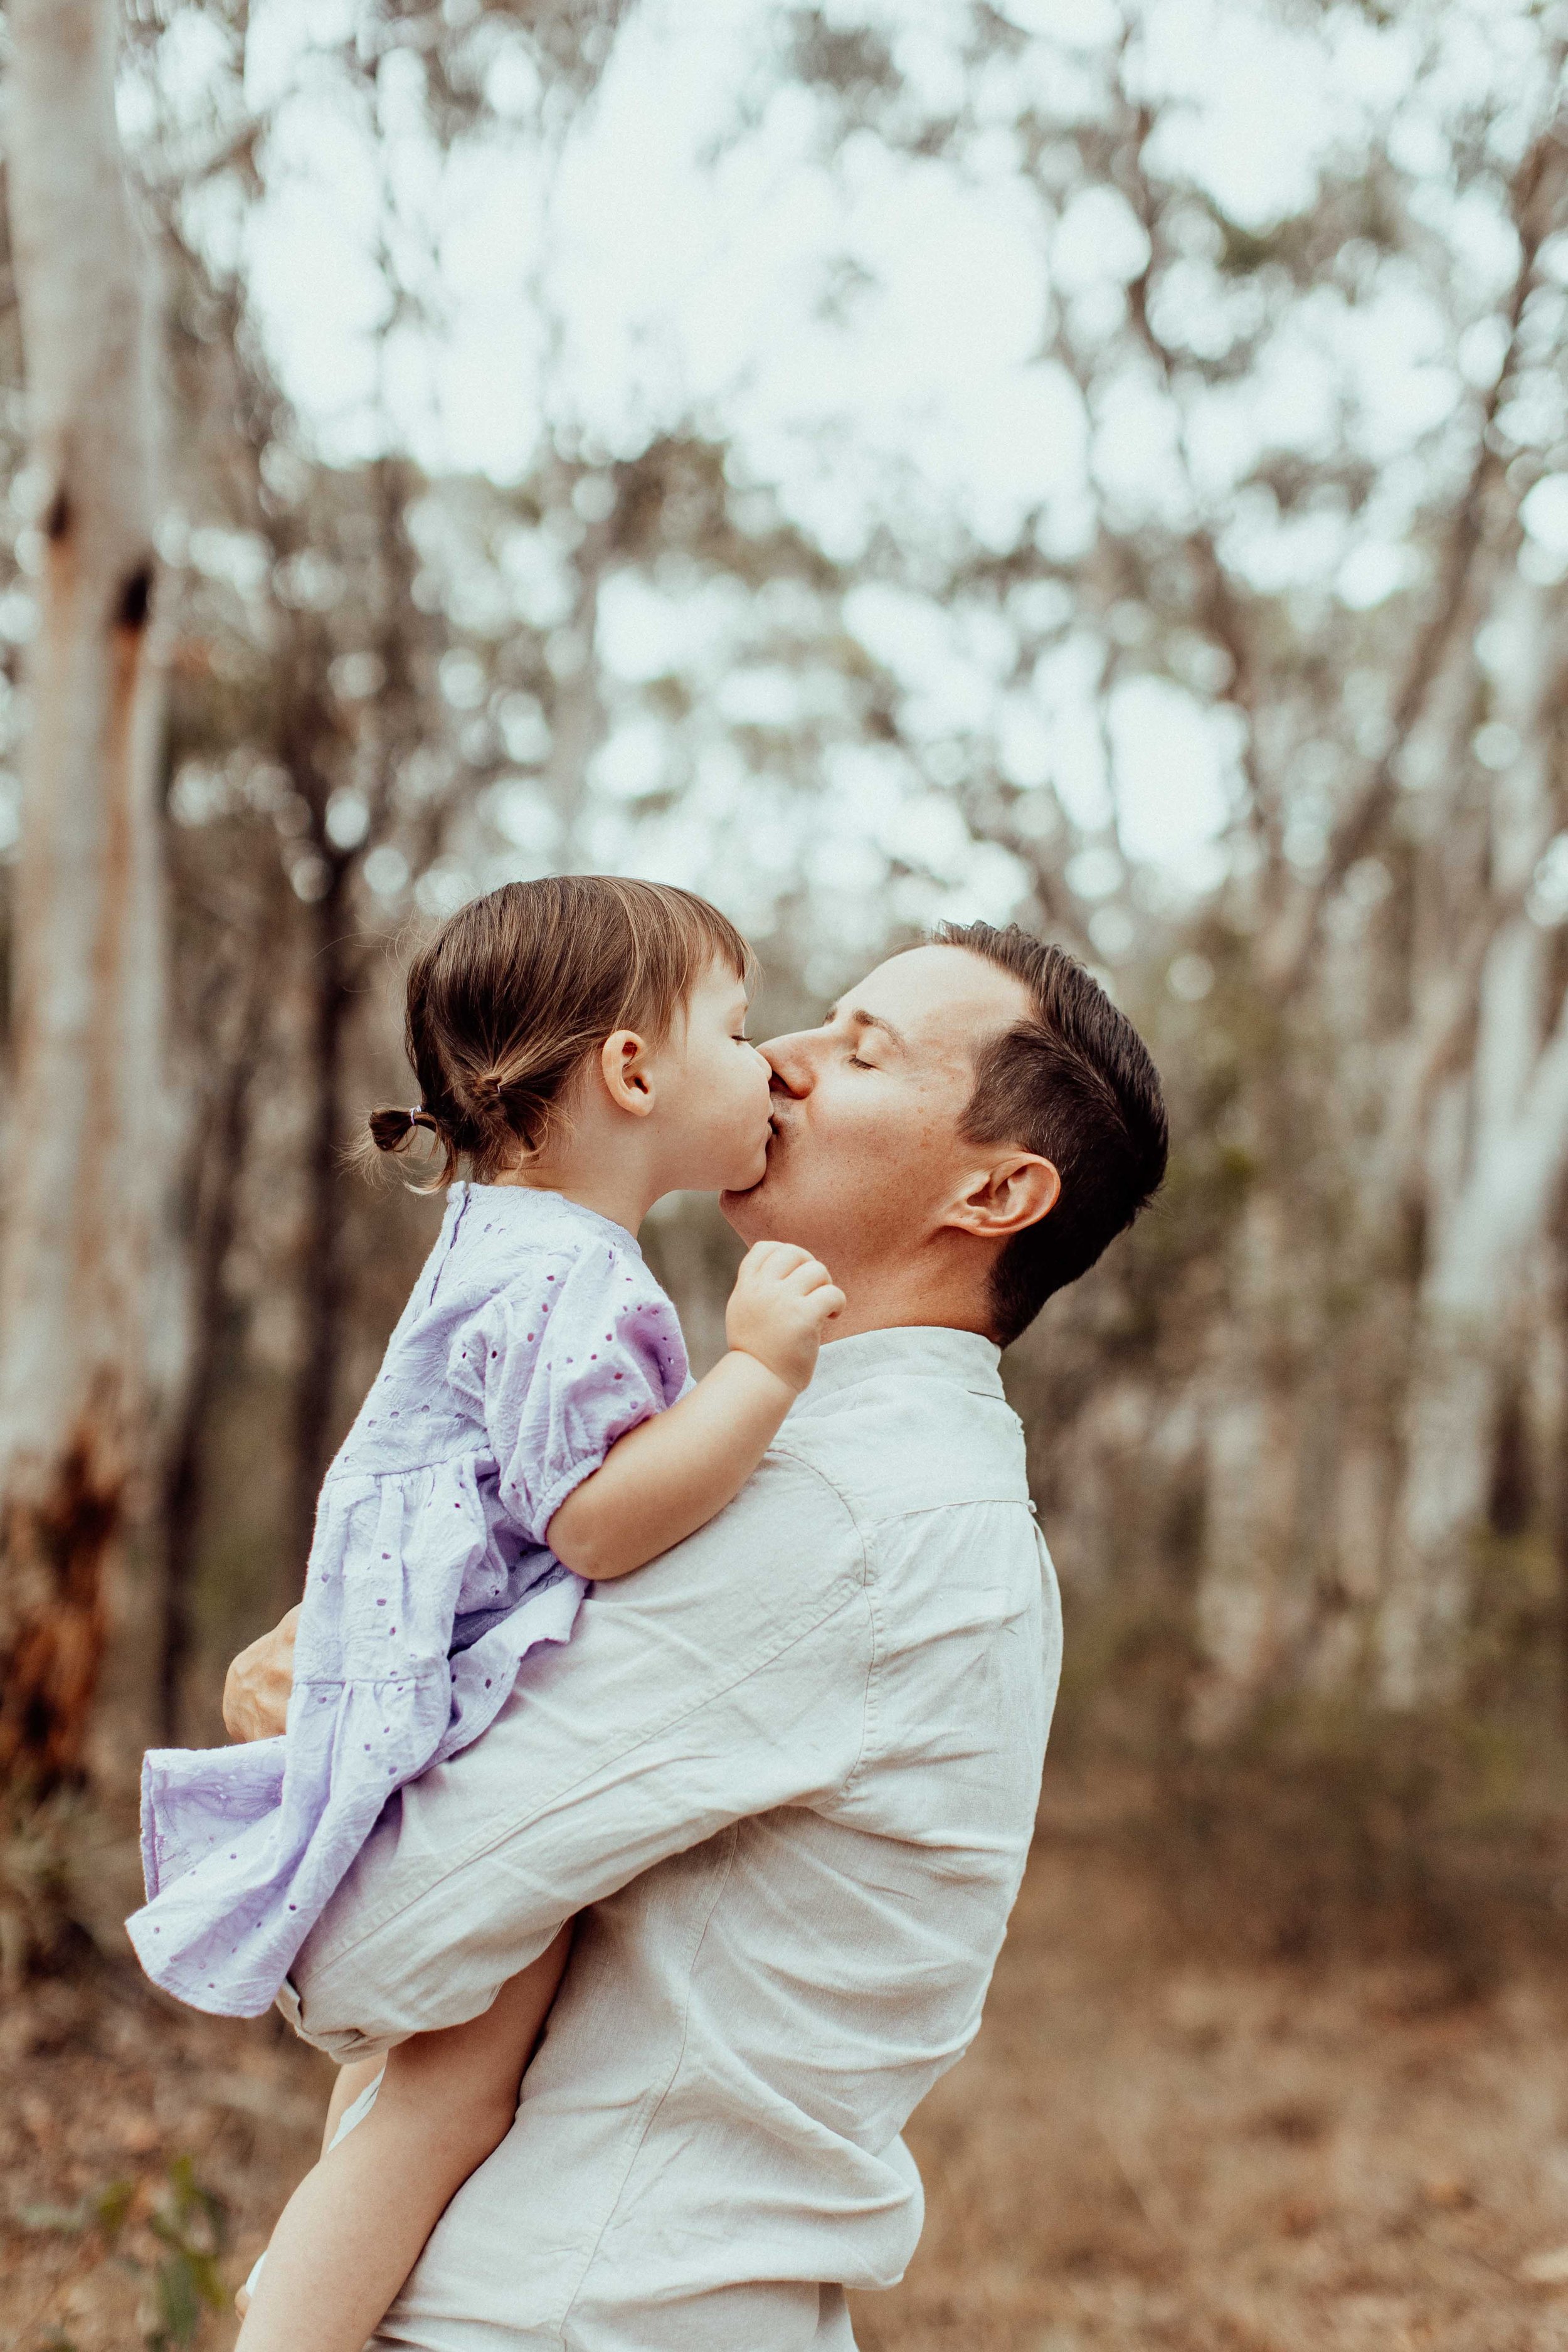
105,2211
188,2222
192,2225
1336,1825
112,2205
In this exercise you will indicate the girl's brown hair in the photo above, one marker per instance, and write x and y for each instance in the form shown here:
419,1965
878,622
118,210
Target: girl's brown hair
518,987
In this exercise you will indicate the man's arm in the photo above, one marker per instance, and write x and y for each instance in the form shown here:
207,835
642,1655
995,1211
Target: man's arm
255,1688
723,1680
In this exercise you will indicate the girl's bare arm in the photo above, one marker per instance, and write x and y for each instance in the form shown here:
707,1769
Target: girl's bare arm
356,2077
670,1476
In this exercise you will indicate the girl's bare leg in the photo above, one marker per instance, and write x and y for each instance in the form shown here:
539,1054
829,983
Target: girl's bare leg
356,2077
353,2228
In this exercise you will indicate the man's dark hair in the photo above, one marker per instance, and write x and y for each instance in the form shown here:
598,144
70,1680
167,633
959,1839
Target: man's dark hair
1074,1082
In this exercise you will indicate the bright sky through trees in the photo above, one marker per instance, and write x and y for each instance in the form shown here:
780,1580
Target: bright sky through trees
868,329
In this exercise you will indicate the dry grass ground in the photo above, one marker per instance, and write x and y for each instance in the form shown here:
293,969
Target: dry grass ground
1151,2146
1145,2149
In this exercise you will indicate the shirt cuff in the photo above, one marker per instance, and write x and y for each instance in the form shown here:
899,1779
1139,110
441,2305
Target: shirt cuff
344,2045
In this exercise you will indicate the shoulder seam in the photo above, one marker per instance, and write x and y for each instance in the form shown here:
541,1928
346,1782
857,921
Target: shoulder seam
815,1470
867,1528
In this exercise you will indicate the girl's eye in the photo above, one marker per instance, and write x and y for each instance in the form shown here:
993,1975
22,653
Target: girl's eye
857,1063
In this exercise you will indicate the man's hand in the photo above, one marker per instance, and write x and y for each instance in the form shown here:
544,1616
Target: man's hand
783,1301
257,1687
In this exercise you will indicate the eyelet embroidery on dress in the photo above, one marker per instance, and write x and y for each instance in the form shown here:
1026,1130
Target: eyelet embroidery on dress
497,1456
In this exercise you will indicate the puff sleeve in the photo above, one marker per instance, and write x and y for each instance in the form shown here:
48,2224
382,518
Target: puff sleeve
571,1357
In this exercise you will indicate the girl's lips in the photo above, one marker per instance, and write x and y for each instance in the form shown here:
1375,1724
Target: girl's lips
769,1141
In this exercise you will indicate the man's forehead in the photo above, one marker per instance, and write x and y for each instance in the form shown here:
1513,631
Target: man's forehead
937,995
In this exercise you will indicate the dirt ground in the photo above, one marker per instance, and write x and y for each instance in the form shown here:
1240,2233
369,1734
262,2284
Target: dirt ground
1146,2148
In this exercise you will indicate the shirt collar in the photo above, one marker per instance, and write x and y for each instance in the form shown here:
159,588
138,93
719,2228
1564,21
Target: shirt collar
915,1351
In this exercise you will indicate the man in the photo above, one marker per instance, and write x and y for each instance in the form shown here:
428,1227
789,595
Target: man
787,1774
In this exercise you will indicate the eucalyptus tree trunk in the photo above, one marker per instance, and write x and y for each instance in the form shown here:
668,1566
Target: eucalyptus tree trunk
220,1153
577,706
81,1190
1248,1609
1498,1142
324,1280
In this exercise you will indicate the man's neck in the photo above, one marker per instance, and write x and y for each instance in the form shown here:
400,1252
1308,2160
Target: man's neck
890,1298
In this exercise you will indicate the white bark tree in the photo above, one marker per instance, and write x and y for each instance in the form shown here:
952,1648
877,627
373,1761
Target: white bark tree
1498,1142
1376,1093
83,1183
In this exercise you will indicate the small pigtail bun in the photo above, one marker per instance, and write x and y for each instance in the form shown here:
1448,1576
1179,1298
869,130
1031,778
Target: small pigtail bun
387,1132
390,1130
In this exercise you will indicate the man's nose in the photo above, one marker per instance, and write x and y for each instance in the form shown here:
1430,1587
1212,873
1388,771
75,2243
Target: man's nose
789,1058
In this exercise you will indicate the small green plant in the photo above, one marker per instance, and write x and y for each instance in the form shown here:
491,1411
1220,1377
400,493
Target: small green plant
190,2224
105,2211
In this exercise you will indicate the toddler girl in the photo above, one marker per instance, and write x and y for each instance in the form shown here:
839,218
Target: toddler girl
580,1045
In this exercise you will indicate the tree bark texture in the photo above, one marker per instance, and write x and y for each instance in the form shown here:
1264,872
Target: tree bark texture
1248,1614
222,1149
1499,1131
323,1275
83,1183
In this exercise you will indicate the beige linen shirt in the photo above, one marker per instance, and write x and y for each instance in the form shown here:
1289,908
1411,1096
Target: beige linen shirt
787,1774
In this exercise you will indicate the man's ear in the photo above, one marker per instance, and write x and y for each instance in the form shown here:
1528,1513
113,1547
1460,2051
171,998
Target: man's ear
1006,1199
623,1063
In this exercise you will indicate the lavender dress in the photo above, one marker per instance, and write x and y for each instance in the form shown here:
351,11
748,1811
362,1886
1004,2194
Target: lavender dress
534,1339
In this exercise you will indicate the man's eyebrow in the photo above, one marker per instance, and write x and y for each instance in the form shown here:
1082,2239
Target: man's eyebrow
870,1021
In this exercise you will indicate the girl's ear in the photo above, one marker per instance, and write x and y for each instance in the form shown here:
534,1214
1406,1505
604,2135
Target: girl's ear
624,1063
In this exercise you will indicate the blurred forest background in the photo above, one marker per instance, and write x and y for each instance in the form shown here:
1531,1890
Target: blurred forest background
1103,462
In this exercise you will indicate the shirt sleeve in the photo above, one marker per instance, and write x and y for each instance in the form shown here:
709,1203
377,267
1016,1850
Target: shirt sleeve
570,1358
727,1678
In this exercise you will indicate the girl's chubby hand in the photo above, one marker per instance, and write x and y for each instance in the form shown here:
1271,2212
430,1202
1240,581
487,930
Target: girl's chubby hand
783,1300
